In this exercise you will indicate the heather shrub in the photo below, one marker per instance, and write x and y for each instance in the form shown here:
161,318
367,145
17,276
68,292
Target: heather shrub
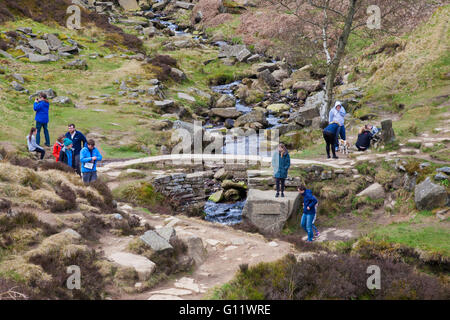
330,277
53,165
31,179
68,197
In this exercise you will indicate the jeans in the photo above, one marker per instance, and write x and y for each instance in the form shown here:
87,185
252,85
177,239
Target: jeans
76,164
89,177
40,125
280,181
341,132
330,140
316,231
306,224
41,151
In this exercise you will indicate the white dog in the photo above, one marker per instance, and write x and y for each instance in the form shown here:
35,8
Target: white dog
344,146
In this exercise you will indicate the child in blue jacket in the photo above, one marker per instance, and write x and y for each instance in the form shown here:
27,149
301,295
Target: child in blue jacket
309,211
88,157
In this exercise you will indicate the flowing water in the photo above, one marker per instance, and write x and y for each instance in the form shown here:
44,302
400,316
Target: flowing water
225,213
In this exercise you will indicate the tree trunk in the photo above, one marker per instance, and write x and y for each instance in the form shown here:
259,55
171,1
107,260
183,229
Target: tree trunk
333,66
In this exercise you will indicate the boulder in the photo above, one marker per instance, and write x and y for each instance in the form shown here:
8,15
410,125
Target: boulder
251,117
387,132
302,74
267,213
225,113
185,96
226,101
49,92
129,5
167,233
62,100
308,86
260,67
39,58
155,241
222,174
232,195
196,249
229,123
428,195
216,196
53,42
143,266
17,86
280,74
177,74
40,46
184,5
68,50
317,101
278,107
440,176
445,170
267,78
228,184
375,192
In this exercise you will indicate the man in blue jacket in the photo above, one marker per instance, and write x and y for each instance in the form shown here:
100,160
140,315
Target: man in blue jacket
77,138
41,106
88,158
309,211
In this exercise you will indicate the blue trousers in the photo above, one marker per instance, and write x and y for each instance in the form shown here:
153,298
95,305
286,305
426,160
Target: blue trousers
307,222
341,133
40,125
316,231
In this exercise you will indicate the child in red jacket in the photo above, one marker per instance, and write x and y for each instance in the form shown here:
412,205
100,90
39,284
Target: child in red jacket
57,147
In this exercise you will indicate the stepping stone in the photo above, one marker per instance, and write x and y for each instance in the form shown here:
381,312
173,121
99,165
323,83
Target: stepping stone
188,284
142,265
164,297
173,292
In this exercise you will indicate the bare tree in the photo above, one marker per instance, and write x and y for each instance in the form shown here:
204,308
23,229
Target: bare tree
333,21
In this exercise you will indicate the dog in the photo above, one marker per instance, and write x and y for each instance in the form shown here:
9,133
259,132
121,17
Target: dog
344,146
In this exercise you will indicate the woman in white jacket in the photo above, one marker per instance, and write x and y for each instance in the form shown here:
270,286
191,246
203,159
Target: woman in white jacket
32,145
337,114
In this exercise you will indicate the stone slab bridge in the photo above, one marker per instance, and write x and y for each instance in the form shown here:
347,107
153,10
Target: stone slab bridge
218,160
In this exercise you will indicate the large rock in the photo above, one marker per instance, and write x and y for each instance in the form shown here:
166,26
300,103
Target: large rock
129,5
229,184
142,265
39,58
226,101
184,5
53,42
278,107
239,52
309,86
429,195
196,249
260,67
267,213
387,132
76,64
280,74
375,191
251,117
302,74
155,241
267,78
317,101
40,46
225,113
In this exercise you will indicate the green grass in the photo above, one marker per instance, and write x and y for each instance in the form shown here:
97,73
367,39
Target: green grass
427,237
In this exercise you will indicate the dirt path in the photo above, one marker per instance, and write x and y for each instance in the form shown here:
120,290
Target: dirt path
226,247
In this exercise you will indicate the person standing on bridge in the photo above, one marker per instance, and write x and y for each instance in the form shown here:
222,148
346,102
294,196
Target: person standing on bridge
281,162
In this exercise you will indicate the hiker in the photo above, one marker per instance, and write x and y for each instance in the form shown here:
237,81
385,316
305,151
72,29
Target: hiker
329,134
281,162
59,144
32,145
337,114
89,157
41,106
77,138
67,154
309,211
364,137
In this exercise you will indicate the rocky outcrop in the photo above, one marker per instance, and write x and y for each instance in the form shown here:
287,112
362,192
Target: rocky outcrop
256,116
267,213
428,195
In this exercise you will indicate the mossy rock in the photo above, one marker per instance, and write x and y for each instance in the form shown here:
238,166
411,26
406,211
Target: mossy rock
228,184
216,196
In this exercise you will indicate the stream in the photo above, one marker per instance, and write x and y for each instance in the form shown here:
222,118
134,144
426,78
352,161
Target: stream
228,213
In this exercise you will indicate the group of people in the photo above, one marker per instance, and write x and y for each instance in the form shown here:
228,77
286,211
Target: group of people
71,148
336,130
